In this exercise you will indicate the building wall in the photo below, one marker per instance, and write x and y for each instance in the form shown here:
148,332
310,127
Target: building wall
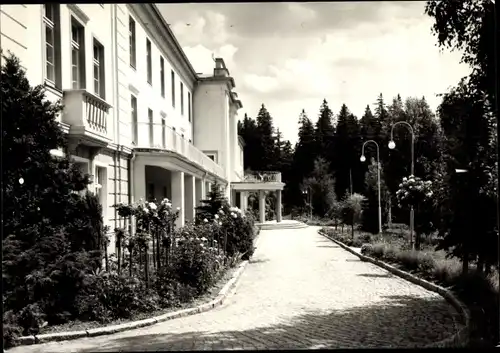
210,129
135,81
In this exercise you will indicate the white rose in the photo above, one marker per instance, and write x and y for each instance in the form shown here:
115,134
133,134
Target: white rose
405,179
178,208
152,206
220,223
205,220
216,216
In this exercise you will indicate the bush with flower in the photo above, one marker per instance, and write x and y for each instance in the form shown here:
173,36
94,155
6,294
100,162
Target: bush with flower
416,192
413,191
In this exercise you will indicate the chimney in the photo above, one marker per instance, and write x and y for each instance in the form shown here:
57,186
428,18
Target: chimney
220,68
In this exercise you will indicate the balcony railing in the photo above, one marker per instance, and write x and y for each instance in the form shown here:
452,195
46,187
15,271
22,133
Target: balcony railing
162,137
86,113
262,177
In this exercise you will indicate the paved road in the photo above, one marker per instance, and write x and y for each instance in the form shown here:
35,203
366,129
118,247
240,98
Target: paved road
300,291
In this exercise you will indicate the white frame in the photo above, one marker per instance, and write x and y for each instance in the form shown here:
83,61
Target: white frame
132,42
103,187
48,23
81,52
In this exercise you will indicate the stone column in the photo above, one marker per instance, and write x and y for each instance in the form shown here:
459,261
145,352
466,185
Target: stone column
139,182
278,205
178,196
243,201
262,206
189,197
208,187
200,191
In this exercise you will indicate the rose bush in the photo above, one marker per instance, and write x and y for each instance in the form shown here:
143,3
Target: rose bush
414,191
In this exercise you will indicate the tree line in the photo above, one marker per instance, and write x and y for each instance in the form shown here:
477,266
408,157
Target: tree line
461,135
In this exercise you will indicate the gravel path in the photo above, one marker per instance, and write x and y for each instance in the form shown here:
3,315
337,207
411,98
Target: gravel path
299,291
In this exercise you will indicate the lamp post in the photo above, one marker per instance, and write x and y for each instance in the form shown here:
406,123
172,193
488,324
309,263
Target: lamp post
308,192
392,145
362,159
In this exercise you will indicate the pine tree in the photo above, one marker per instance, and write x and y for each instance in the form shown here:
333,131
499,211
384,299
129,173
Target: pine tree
324,132
266,150
247,129
348,150
211,205
321,185
302,163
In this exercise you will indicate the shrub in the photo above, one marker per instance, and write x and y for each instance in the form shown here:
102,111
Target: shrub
446,271
108,296
171,292
196,262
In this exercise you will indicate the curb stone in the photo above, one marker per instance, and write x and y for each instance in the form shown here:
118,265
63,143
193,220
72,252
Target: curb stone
107,330
460,338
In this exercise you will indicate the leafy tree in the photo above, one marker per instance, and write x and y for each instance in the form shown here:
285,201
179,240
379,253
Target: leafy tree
321,185
353,207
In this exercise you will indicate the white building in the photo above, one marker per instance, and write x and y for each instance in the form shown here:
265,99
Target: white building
139,118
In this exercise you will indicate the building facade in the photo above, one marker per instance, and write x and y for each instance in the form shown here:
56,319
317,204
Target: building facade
139,119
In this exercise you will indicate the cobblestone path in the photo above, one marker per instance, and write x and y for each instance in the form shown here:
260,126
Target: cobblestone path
299,291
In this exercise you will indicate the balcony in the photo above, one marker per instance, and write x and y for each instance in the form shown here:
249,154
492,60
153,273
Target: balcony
262,177
163,138
259,180
87,116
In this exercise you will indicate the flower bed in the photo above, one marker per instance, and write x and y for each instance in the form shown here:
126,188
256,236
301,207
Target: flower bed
157,269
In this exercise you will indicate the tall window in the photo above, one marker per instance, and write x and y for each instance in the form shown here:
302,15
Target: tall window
133,111
162,76
131,39
149,63
151,131
52,42
189,106
99,183
182,98
77,54
172,78
163,133
99,84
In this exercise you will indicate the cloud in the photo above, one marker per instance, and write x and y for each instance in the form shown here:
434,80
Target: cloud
290,56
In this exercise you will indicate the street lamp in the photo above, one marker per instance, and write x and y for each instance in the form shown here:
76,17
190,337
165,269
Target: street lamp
362,159
392,145
308,192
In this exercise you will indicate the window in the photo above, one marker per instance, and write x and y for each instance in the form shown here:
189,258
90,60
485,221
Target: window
163,133
149,63
51,22
172,78
211,156
99,84
131,39
133,110
182,98
151,136
99,183
162,76
189,106
77,54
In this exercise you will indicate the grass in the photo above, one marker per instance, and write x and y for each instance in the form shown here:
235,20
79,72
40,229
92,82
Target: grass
478,291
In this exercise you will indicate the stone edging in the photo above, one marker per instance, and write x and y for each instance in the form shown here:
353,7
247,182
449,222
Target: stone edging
107,330
459,339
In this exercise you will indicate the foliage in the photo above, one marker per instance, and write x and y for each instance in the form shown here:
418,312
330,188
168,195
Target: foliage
353,207
209,207
321,186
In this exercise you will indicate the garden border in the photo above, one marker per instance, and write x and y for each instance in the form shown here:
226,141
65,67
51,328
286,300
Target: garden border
224,293
460,338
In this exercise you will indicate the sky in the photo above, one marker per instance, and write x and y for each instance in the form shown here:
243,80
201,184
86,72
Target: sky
290,56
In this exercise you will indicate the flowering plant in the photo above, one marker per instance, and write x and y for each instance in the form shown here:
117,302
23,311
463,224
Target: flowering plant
413,191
